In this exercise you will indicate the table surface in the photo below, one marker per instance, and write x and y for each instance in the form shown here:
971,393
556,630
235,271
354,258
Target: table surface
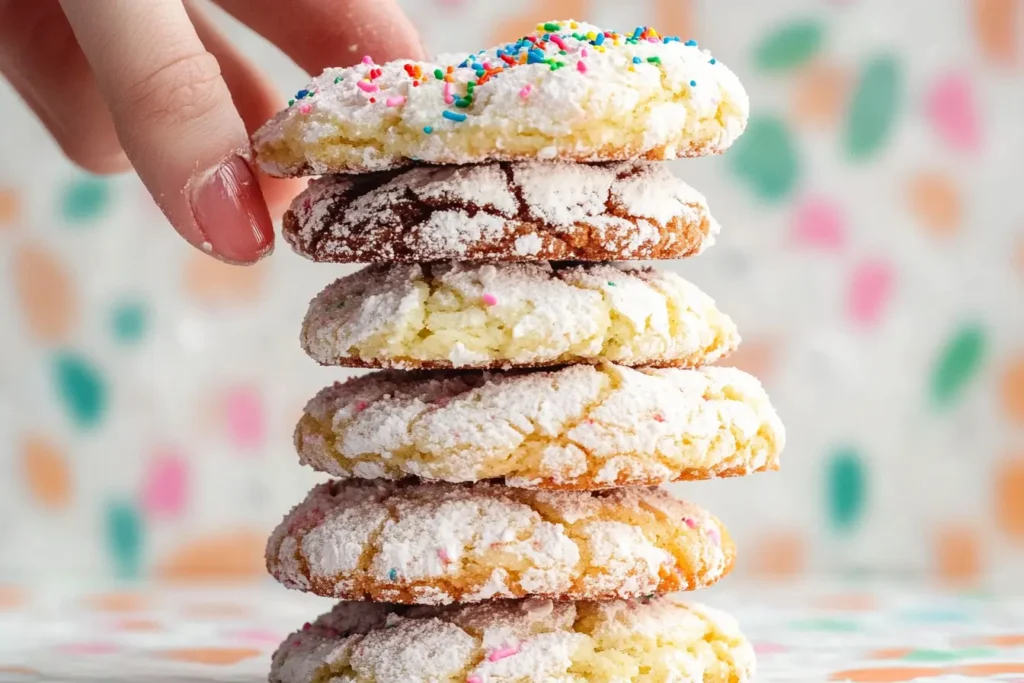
868,632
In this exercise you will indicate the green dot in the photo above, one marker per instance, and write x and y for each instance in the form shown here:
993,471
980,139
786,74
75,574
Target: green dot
789,46
959,362
846,483
81,389
873,108
765,158
85,199
124,538
128,322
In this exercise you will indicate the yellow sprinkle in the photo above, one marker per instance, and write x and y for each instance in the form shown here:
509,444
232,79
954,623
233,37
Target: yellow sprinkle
653,33
540,27
573,24
591,36
599,48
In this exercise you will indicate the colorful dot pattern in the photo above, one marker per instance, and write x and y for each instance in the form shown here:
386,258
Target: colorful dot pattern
872,253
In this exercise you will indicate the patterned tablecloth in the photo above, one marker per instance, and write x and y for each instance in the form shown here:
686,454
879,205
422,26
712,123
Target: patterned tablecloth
846,632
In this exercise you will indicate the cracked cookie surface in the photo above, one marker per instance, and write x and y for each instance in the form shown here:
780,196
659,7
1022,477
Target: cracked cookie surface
519,641
466,315
423,543
579,427
502,211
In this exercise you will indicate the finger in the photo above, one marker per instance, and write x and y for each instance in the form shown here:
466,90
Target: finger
255,98
322,33
42,60
176,121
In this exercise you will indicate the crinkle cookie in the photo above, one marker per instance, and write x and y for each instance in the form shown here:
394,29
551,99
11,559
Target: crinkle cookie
610,96
501,211
580,427
466,315
654,640
425,543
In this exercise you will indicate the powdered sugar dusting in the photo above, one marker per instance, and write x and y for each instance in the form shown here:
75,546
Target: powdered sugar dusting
506,211
435,543
515,641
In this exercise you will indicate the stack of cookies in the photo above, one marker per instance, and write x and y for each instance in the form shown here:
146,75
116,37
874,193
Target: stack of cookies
493,515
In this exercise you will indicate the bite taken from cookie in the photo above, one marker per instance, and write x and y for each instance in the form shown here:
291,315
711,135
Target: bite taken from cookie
579,427
424,543
472,315
569,91
501,211
660,639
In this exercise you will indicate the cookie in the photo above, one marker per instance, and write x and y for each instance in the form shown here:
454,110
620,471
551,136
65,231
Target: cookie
408,542
466,315
609,97
580,427
501,211
656,640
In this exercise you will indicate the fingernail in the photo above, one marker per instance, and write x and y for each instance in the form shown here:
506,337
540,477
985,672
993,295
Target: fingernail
230,213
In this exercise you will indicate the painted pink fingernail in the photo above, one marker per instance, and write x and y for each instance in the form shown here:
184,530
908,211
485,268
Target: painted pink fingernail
230,213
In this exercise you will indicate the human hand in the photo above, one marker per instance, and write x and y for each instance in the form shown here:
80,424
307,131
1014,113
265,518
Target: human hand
154,84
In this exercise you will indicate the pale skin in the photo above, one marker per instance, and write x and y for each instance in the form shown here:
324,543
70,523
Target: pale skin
153,85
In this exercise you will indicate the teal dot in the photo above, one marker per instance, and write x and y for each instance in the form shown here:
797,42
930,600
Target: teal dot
765,158
85,199
129,322
124,538
80,388
948,655
789,46
873,108
834,625
959,362
846,483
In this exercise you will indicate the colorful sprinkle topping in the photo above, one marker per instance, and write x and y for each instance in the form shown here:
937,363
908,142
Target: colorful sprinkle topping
502,653
393,574
490,299
454,116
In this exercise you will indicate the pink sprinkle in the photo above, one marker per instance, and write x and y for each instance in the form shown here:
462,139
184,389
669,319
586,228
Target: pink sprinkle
525,92
714,536
690,522
652,39
305,108
474,679
366,86
583,52
395,101
658,417
581,67
557,40
367,59
448,97
361,406
490,299
443,554
307,626
502,653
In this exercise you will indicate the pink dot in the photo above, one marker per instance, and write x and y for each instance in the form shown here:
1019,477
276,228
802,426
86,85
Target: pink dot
690,522
870,287
819,224
367,59
245,421
581,67
305,108
395,101
490,299
525,92
950,107
165,486
474,679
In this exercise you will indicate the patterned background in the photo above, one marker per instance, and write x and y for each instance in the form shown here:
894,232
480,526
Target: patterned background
872,254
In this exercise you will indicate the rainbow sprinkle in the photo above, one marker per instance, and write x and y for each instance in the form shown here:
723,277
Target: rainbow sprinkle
489,300
454,116
366,86
502,653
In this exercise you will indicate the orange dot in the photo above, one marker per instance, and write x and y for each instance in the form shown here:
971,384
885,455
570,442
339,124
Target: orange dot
46,472
886,675
819,98
117,603
11,598
957,554
212,282
935,201
226,556
215,656
1011,389
1009,497
995,25
19,670
891,653
997,669
754,356
780,555
10,206
1006,640
45,293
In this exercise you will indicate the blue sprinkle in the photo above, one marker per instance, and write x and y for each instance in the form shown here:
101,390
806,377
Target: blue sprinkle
546,36
637,60
393,574
534,56
712,60
465,63
639,30
693,84
690,43
453,116
428,130
670,39
301,94
599,40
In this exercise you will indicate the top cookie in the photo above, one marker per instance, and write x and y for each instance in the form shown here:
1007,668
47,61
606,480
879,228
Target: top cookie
570,90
